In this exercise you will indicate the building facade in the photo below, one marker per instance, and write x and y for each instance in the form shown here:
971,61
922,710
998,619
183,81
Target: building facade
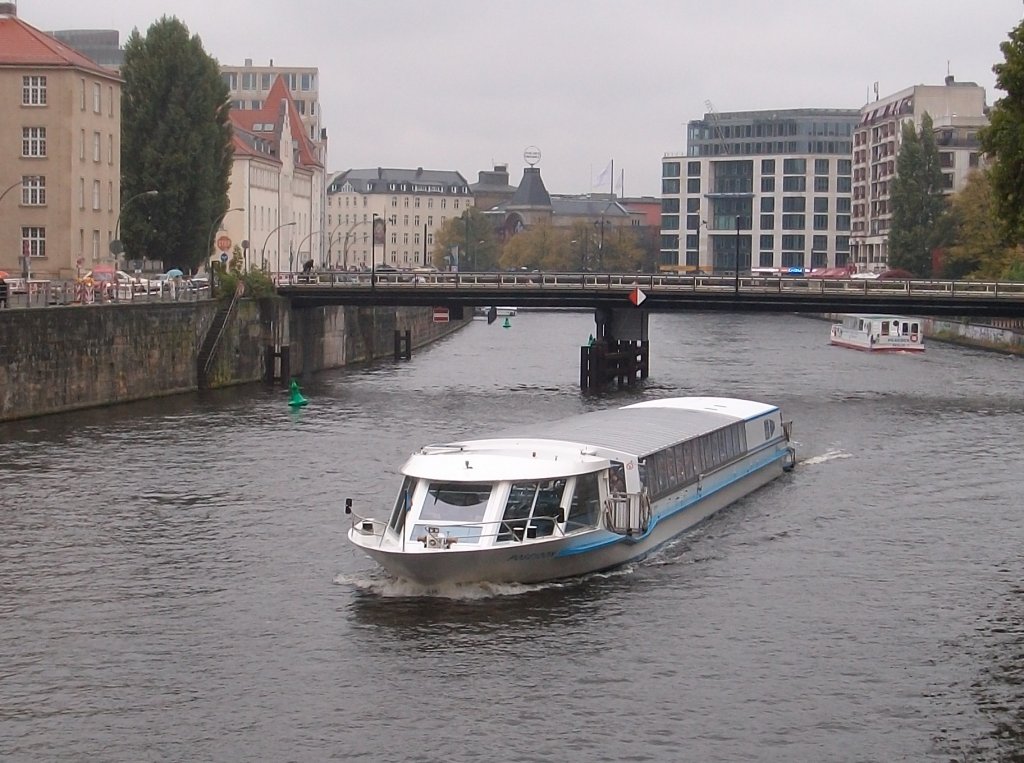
60,154
762,189
958,112
277,186
249,87
390,216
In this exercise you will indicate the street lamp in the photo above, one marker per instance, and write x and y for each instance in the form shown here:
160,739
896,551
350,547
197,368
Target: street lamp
299,247
115,246
217,223
12,186
348,237
264,252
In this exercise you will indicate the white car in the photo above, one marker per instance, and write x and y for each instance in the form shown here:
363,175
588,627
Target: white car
137,284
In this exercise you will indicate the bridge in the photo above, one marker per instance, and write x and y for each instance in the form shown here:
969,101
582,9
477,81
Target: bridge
659,293
622,302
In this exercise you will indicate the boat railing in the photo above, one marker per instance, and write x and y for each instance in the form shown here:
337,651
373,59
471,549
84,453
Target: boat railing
628,513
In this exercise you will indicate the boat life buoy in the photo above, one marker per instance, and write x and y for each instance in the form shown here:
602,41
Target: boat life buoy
913,337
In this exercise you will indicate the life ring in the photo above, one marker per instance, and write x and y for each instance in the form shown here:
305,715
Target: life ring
913,337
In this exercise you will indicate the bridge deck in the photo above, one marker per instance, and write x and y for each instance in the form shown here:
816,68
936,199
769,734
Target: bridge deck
663,293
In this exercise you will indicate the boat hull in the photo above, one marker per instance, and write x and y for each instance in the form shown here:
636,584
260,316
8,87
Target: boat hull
566,556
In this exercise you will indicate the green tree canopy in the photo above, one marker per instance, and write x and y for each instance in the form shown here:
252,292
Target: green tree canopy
1003,139
176,139
918,206
472,236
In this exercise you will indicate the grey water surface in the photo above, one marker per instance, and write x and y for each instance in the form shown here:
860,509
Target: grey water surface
175,583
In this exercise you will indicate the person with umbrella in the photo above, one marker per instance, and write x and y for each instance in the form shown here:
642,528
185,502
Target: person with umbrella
174,280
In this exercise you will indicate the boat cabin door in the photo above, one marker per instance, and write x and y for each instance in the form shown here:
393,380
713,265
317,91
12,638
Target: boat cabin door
625,513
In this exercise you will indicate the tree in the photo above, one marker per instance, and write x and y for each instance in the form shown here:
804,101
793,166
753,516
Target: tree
1003,139
918,206
176,139
976,234
539,247
471,235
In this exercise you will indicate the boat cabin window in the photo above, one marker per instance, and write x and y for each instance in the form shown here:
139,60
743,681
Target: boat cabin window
531,510
885,328
456,501
585,508
402,504
617,477
674,467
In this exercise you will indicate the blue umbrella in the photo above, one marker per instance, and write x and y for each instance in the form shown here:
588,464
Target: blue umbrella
174,273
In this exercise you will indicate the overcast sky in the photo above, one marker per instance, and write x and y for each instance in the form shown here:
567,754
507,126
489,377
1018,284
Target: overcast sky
464,84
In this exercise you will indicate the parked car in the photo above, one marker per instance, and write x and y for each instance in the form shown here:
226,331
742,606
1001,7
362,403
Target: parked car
138,284
198,283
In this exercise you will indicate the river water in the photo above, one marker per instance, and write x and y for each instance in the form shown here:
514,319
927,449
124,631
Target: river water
175,584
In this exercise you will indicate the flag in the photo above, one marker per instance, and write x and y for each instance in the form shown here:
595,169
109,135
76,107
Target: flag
603,177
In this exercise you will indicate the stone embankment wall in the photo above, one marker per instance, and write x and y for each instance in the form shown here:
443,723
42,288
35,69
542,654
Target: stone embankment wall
65,358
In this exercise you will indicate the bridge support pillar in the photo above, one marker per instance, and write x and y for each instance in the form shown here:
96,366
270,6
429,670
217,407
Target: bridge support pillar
278,359
619,352
403,344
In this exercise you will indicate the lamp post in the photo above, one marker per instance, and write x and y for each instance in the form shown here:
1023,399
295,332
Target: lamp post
115,246
465,216
736,269
264,252
217,223
307,237
12,186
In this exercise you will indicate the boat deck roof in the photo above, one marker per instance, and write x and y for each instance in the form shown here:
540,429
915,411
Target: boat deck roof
641,429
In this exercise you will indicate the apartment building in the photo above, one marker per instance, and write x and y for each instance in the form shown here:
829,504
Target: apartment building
60,154
958,113
410,206
249,87
768,189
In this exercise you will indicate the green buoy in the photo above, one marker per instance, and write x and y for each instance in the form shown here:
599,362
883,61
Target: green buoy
506,324
297,400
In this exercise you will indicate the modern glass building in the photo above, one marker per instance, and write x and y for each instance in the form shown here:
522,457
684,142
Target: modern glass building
768,189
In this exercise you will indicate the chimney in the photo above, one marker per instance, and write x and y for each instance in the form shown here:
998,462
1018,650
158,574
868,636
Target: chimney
380,173
419,171
248,62
949,80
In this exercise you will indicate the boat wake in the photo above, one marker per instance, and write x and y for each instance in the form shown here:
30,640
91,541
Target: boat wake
394,588
828,455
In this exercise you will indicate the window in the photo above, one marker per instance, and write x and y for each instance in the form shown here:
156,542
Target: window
110,148
33,241
767,222
842,222
110,101
248,80
767,203
767,241
97,101
33,141
843,184
843,167
767,166
669,186
33,91
672,205
693,169
767,185
693,185
584,509
793,260
692,205
821,204
794,204
33,191
821,166
819,260
670,222
444,203
95,146
81,146
843,204
821,222
81,193
794,183
819,243
794,166
670,169
95,194
821,184
766,260
790,242
793,222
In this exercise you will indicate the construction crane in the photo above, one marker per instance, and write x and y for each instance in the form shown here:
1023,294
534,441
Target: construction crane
717,126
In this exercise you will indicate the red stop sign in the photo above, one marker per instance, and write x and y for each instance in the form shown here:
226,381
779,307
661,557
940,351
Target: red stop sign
224,243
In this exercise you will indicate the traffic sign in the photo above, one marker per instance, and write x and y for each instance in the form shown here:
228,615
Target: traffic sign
440,315
636,296
224,243
224,257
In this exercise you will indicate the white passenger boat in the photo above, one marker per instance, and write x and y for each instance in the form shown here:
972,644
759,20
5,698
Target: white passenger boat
564,498
878,333
482,312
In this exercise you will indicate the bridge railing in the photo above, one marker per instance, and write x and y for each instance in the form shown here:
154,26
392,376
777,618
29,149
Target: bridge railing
535,280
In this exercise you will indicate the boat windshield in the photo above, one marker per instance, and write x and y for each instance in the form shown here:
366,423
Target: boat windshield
531,510
456,501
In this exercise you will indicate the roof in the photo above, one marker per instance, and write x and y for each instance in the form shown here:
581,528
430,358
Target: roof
273,113
643,428
24,45
582,207
380,180
531,191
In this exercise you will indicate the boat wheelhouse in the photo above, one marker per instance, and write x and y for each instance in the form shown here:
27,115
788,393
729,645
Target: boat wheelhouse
878,333
564,498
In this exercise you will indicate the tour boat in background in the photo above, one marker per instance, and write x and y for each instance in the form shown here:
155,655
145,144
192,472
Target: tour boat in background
563,498
878,333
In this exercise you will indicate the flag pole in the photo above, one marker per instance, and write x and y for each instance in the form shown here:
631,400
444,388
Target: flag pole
611,180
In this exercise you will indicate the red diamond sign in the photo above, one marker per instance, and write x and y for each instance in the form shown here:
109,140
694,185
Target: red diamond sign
636,296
